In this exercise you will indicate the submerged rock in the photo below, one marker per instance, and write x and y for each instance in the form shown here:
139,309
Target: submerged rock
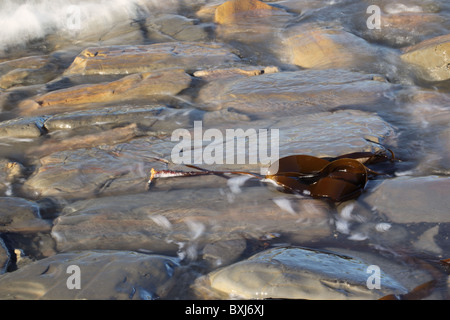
412,199
4,257
185,221
21,216
430,57
399,29
107,275
89,171
292,93
125,167
323,48
181,28
300,273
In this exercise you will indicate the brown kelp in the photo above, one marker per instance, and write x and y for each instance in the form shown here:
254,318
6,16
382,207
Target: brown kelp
337,179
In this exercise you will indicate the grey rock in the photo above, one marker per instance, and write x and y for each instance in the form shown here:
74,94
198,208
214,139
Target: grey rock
185,221
181,28
125,167
21,215
107,275
103,170
302,273
222,253
412,199
292,93
31,127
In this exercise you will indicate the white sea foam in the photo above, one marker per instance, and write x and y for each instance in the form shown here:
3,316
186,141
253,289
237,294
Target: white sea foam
285,204
394,8
22,21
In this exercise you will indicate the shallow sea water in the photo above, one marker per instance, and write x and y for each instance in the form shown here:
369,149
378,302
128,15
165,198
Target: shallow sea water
417,112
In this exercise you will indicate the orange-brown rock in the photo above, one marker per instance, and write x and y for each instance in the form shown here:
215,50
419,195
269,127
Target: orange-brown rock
322,48
145,58
27,71
431,58
112,136
240,10
135,86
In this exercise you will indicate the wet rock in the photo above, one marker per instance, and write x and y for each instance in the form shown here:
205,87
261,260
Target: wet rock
401,29
300,273
430,57
412,199
102,170
222,253
325,48
241,10
27,71
30,127
181,28
125,167
185,221
248,71
145,58
292,93
10,172
118,275
154,117
426,242
133,87
253,30
20,215
113,136
4,257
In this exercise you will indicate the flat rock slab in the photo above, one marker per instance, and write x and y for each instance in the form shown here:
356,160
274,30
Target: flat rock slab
145,58
181,28
125,167
184,221
27,71
154,116
324,48
133,87
118,275
24,127
21,215
431,57
412,199
300,273
101,170
292,93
